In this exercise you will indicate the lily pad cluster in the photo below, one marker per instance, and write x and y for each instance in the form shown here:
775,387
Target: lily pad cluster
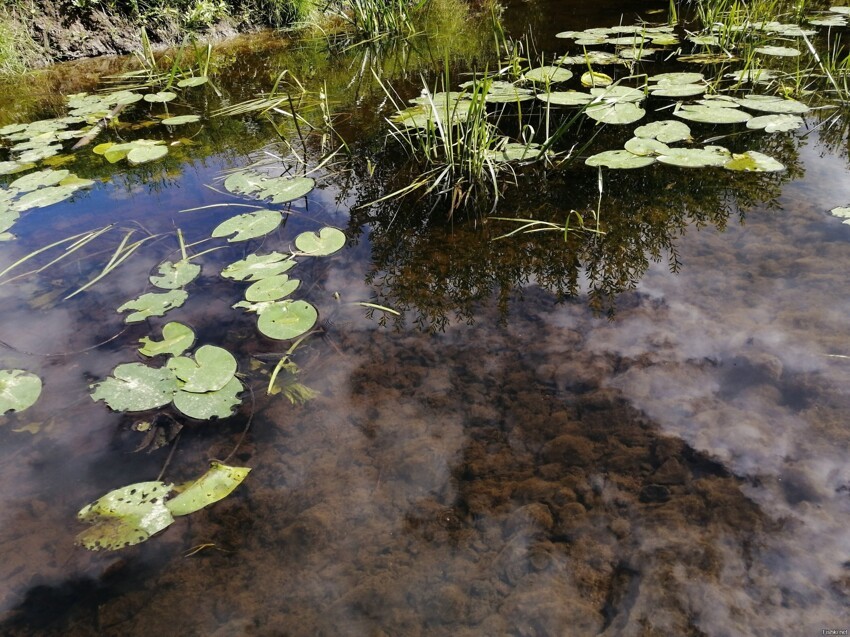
132,514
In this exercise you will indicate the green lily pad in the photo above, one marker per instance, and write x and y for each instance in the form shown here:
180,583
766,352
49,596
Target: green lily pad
8,217
515,151
594,58
753,161
38,154
211,370
285,189
678,90
244,182
842,212
756,76
618,94
673,79
38,179
666,131
772,104
712,114
216,484
44,197
153,304
12,167
125,516
777,123
319,244
271,288
565,98
19,390
249,225
780,51
618,159
638,53
181,119
175,274
255,267
548,74
176,339
696,157
136,387
144,154
160,97
646,147
193,81
615,113
285,320
213,404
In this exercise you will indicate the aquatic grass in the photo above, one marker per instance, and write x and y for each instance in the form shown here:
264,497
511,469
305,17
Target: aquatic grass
374,20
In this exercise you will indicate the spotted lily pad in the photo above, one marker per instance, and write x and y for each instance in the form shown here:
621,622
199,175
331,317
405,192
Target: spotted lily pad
213,404
171,275
318,244
249,225
271,288
176,339
216,484
753,161
136,387
125,516
153,304
19,390
255,267
285,320
211,370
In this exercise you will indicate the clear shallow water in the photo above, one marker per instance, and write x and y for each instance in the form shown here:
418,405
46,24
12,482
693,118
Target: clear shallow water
533,469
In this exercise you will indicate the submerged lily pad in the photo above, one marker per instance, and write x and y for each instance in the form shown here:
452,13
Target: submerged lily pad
319,244
753,161
125,516
249,225
618,159
136,387
255,267
176,339
216,484
285,320
271,288
213,404
153,304
19,390
172,275
211,370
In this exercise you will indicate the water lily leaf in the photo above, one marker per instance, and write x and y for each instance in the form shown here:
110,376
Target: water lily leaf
114,152
124,98
12,167
44,197
615,113
594,58
756,76
193,81
835,21
213,404
667,131
639,53
668,79
181,119
772,104
38,179
704,40
8,129
788,30
136,387
174,274
617,94
244,182
144,154
125,516
665,39
505,93
101,149
646,147
777,123
255,267
634,40
271,288
211,370
249,225
839,10
38,154
162,96
6,236
515,151
8,217
696,157
153,304
550,74
319,244
566,98
842,212
594,78
216,484
618,159
77,183
284,320
780,51
678,90
176,339
19,390
712,114
285,189
753,161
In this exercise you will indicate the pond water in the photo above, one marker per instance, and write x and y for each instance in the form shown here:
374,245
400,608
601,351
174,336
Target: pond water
636,433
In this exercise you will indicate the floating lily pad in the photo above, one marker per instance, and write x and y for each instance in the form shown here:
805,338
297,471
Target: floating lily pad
176,339
211,370
12,167
637,54
594,58
615,113
772,104
285,320
136,387
244,182
271,288
153,304
181,119
8,217
566,98
125,516
255,267
327,241
249,225
696,157
678,90
162,96
756,76
646,147
667,131
213,404
174,274
617,94
38,179
44,197
144,154
780,51
285,189
777,123
594,78
618,159
753,161
19,390
193,81
515,151
548,74
216,484
842,212
712,114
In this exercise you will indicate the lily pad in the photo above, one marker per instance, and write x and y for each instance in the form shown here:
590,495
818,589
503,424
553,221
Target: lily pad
211,370
678,90
255,267
38,179
160,97
285,189
12,167
193,81
144,154
125,516
19,390
594,58
244,182
271,288
515,151
566,98
318,244
249,225
213,404
777,123
44,197
618,159
696,157
667,131
181,119
646,147
8,217
548,74
594,78
772,104
615,113
780,51
753,161
172,275
176,339
153,304
842,212
712,114
285,320
136,387
216,484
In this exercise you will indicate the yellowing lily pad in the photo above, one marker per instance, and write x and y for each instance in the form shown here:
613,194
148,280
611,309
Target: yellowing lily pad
216,484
